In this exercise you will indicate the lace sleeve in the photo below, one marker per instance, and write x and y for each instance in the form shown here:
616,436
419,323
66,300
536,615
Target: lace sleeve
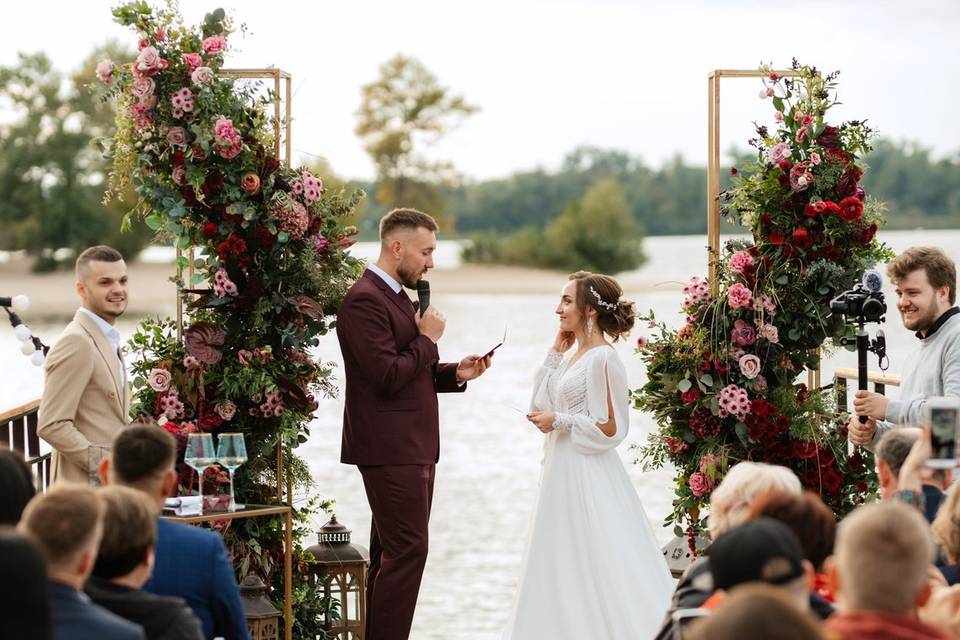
544,383
606,388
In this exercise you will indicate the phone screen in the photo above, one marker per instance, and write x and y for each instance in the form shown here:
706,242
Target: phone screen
943,432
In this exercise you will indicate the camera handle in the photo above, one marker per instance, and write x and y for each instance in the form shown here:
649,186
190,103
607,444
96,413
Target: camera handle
864,345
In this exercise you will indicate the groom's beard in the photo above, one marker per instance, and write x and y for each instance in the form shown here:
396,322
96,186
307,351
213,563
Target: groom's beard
407,277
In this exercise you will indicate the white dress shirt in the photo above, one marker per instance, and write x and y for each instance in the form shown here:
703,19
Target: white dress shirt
391,282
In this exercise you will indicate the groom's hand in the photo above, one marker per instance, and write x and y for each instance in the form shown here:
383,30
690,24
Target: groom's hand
542,420
472,367
431,324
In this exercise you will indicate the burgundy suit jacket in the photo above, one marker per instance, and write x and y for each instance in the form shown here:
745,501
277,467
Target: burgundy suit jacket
393,376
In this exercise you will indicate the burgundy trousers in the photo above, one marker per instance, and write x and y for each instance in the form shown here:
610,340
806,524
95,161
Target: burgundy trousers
400,497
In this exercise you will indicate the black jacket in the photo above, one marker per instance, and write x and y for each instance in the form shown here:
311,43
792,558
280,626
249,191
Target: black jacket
162,617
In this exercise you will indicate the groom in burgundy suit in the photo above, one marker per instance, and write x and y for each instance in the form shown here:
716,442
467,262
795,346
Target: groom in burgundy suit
391,428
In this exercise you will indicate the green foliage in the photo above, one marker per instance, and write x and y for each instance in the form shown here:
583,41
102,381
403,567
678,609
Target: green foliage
403,111
596,233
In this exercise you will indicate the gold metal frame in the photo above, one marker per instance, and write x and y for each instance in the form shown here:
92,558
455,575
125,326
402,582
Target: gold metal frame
713,173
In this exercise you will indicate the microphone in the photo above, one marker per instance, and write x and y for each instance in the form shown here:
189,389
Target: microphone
423,295
872,280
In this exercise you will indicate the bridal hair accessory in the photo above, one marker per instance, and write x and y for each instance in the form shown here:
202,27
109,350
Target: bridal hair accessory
609,306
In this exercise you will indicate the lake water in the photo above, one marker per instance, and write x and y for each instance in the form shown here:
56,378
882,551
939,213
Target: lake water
490,456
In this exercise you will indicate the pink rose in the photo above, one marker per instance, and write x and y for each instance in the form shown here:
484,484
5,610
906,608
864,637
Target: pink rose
192,60
202,75
250,182
159,379
749,366
143,88
739,296
743,334
214,45
226,410
143,43
741,262
779,152
148,59
769,333
105,70
179,175
699,484
177,137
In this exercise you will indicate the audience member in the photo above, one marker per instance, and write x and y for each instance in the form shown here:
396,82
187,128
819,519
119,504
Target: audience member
815,526
891,452
946,533
880,571
16,486
757,611
191,562
66,525
24,608
124,565
729,506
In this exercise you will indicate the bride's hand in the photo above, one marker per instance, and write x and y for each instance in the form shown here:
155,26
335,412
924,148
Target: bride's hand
563,341
542,420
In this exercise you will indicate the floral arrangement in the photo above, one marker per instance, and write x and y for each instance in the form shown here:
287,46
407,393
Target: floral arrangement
272,264
722,387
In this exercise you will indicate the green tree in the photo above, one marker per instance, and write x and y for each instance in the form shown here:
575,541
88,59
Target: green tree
51,175
403,111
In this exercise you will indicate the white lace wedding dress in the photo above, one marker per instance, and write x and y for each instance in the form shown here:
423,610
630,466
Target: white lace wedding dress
592,568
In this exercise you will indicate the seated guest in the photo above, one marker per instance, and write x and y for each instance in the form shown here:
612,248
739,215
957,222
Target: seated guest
66,524
946,533
16,486
190,562
880,568
815,526
757,610
24,608
892,450
729,506
124,564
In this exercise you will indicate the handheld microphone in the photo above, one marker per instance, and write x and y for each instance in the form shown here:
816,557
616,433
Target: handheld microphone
423,295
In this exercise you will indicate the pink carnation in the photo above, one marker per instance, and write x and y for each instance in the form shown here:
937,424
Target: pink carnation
741,262
159,379
697,292
800,177
214,45
739,296
225,138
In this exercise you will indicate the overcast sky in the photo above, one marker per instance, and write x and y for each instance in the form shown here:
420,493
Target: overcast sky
549,76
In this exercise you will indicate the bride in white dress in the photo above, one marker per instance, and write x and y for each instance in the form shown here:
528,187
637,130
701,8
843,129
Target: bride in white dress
592,568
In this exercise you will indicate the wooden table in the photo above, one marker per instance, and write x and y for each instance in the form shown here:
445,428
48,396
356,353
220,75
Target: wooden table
257,511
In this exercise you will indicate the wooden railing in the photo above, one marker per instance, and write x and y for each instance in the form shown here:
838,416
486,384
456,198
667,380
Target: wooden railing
20,427
879,379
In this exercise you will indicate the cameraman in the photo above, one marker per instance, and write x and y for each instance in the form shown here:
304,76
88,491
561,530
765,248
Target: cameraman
926,287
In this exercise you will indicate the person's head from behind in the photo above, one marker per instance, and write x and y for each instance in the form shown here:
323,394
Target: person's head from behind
66,524
926,285
807,516
593,301
757,610
882,554
129,535
762,550
891,452
102,281
143,457
408,239
16,486
745,482
24,606
946,527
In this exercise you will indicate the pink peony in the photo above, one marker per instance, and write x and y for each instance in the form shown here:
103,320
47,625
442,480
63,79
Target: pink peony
177,137
743,334
699,484
226,410
741,262
734,401
159,379
769,333
214,45
749,366
192,60
779,152
105,70
739,296
201,75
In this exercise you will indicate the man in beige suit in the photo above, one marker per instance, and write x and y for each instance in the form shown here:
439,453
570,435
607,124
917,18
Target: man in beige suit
84,403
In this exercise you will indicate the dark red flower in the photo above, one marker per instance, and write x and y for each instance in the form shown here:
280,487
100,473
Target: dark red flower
804,448
210,230
690,395
851,209
777,238
829,138
704,424
232,246
762,408
264,237
178,157
733,171
213,184
801,238
814,209
785,166
832,208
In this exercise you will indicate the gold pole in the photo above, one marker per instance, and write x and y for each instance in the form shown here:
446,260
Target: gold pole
179,300
713,179
288,140
288,577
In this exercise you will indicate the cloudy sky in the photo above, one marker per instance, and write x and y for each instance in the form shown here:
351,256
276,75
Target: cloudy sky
548,76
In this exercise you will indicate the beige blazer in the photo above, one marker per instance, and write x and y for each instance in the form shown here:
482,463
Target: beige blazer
84,403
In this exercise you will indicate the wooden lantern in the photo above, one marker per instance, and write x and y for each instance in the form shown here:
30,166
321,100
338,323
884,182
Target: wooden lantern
263,619
341,567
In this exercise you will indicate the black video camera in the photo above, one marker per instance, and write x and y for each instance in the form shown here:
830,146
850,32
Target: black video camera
860,304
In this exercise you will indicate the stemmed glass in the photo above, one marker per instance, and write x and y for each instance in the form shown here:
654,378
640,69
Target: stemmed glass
199,455
231,453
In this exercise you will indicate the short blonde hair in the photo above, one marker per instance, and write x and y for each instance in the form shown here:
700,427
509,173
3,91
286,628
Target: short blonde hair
946,526
745,482
882,554
64,522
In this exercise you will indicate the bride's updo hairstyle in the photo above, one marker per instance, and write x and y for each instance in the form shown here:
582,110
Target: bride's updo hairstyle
615,316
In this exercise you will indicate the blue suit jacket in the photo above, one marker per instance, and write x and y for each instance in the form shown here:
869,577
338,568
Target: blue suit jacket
75,617
192,563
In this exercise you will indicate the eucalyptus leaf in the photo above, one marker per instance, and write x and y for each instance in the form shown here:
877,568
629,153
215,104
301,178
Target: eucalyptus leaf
684,385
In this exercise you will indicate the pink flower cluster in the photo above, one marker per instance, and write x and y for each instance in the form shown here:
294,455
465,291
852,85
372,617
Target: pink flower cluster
291,216
223,285
189,362
225,138
320,244
734,401
182,102
741,262
697,292
739,296
141,115
170,403
272,404
308,186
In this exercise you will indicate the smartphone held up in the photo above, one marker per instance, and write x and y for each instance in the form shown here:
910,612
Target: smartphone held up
943,419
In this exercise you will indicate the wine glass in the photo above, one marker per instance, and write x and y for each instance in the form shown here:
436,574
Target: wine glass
199,455
231,453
